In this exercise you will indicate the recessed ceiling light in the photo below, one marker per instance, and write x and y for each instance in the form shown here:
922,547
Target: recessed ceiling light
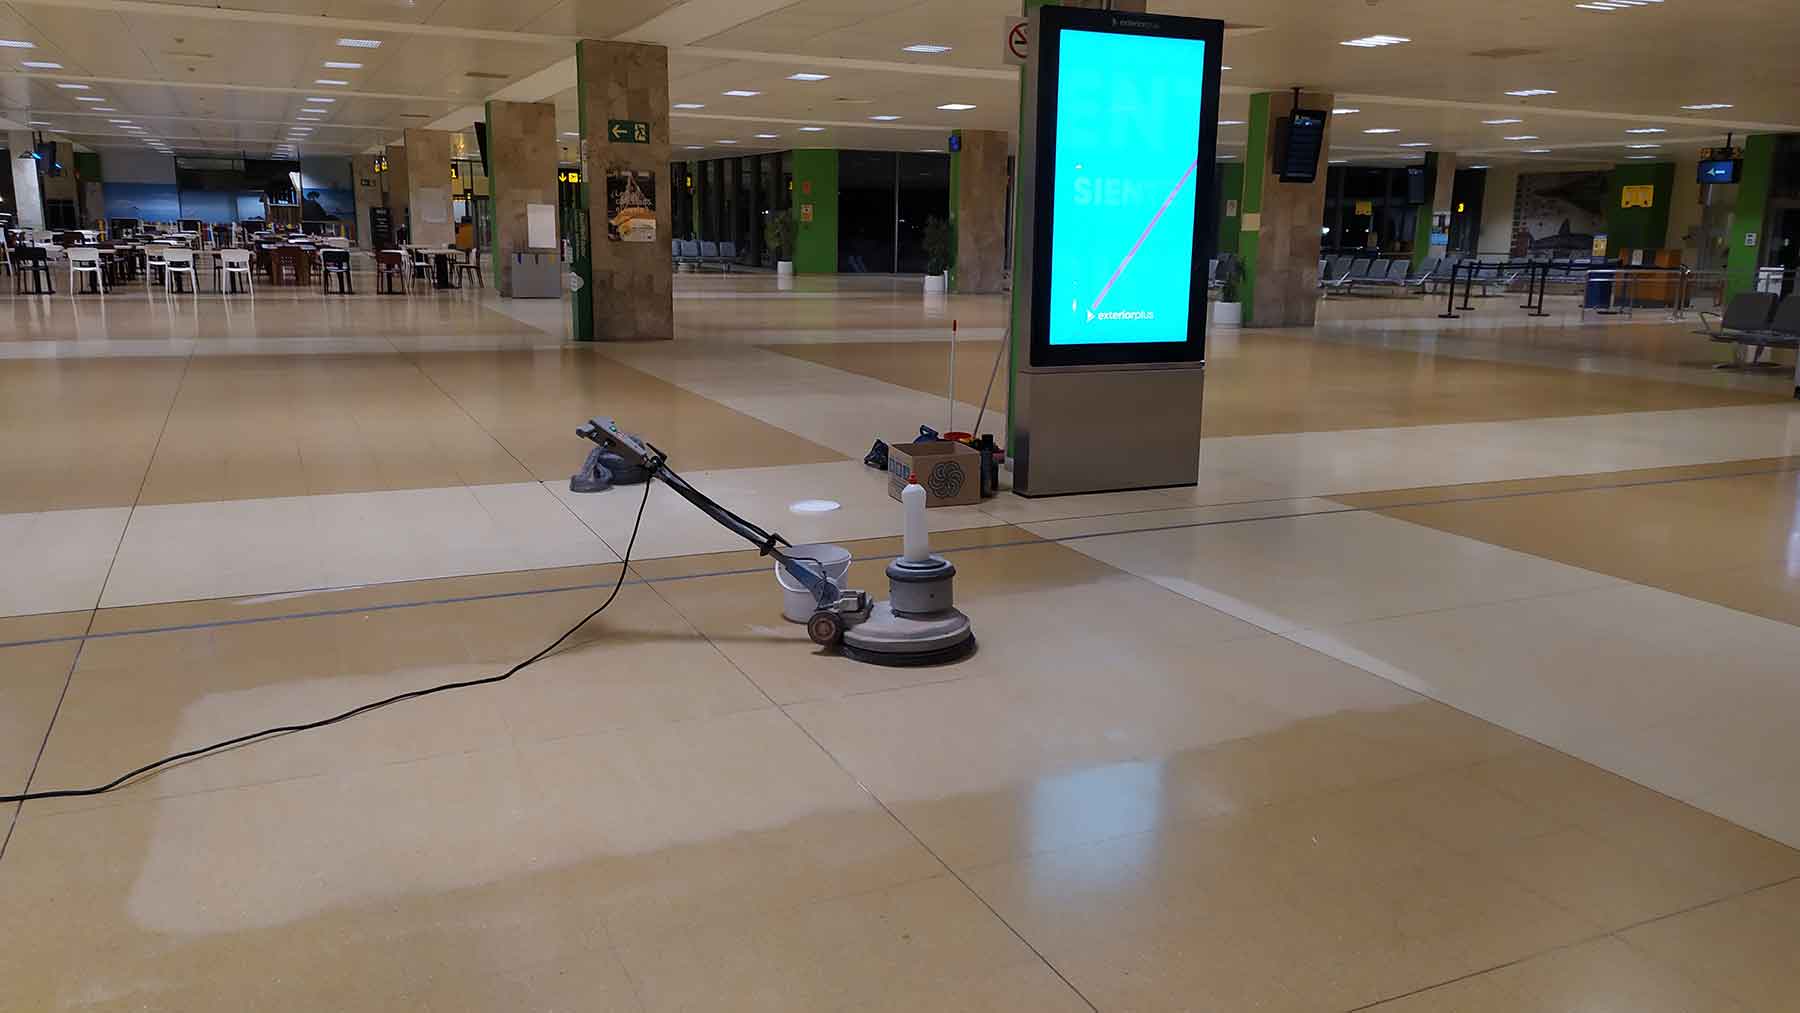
1503,119
1224,68
316,112
89,98
957,107
935,151
1709,105
689,105
696,147
724,142
1375,41
1336,161
1646,130
1643,145
1537,151
805,76
105,109
1347,110
811,130
37,123
570,133
328,81
317,98
924,47
341,65
1531,92
1416,144
71,86
1520,137
1231,123
16,44
1639,158
767,137
41,65
119,122
307,119
1382,130
360,43
1477,166
885,117
741,93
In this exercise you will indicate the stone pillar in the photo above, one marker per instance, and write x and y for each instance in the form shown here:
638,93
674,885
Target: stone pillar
1278,236
1499,196
522,157
365,182
396,182
816,211
978,210
627,292
28,196
1440,184
428,187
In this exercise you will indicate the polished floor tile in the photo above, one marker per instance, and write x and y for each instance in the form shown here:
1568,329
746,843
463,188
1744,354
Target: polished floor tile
32,685
264,546
1742,948
1602,975
57,560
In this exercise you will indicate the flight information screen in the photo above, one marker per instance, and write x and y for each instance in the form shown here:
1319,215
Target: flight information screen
1126,173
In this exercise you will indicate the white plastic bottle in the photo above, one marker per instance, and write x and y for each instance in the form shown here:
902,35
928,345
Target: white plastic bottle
915,542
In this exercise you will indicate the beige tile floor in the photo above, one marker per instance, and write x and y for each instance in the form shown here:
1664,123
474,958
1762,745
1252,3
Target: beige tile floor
1458,712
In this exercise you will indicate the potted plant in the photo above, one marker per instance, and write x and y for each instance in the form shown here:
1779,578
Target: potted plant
779,231
939,250
1229,310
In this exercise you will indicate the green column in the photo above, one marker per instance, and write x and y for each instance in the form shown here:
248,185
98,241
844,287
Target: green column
816,242
1421,245
1231,196
1256,161
1752,203
1639,228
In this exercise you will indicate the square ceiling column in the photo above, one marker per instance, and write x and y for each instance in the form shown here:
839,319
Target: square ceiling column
522,156
627,291
428,187
1278,238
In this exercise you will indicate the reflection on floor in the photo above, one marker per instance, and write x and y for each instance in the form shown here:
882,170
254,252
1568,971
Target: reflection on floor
1463,681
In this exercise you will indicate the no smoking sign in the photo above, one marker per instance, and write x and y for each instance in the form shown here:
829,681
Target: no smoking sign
1018,40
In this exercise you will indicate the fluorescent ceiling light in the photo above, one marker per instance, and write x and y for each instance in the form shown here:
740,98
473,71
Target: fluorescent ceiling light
1231,123
1224,68
1416,144
1709,105
806,76
939,151
767,137
1520,137
316,98
1537,151
811,130
1643,145
328,81
360,43
741,93
1531,92
570,133
89,98
696,147
1344,111
1639,158
1336,161
119,122
41,65
307,119
341,65
37,123
316,112
689,105
1477,166
924,47
71,86
957,107
724,142
1503,119
1646,130
885,117
16,44
1375,41
105,109
1382,130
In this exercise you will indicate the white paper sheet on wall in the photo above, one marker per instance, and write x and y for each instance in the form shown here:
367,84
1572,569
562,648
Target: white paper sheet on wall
434,205
540,226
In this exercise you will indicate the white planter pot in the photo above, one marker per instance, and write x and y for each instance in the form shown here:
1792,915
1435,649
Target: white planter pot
934,283
1228,314
784,268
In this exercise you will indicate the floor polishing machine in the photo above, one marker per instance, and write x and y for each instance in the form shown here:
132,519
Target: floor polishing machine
919,624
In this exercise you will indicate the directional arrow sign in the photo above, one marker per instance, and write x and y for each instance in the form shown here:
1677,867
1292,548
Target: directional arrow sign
628,131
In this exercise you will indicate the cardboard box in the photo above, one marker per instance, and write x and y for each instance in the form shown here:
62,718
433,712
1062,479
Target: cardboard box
950,472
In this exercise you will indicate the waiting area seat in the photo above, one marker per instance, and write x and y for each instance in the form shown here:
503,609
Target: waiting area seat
1753,323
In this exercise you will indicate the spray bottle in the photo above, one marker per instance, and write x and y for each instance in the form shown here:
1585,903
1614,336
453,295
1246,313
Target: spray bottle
915,541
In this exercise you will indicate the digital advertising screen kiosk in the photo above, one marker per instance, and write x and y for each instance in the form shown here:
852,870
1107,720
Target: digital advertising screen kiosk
1116,218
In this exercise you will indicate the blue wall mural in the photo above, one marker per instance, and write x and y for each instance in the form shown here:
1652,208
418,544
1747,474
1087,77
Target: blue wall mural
150,202
328,205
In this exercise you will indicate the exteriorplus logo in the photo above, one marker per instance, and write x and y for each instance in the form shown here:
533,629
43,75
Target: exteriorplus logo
1130,23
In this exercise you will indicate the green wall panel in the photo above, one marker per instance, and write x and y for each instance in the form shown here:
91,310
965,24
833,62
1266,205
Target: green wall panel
1752,204
1231,188
1639,228
1256,169
816,244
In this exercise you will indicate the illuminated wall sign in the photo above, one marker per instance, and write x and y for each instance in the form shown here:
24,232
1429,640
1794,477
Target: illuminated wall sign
1126,134
1641,196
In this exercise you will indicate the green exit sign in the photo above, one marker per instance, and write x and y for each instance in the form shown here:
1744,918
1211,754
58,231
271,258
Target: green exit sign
627,132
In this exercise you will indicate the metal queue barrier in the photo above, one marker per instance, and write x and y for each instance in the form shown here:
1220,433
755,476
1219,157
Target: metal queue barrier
1505,272
1628,287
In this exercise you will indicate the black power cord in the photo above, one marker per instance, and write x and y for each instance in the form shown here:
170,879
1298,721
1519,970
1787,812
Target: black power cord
624,567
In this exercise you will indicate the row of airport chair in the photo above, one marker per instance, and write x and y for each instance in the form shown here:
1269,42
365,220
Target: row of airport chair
1753,323
1348,273
703,253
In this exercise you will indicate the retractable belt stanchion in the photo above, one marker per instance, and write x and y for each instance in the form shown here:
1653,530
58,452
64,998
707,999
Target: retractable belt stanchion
1450,294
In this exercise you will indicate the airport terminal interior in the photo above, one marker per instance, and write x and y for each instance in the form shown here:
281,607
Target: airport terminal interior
1364,438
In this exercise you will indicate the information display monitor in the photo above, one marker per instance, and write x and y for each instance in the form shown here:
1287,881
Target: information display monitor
1127,113
1720,170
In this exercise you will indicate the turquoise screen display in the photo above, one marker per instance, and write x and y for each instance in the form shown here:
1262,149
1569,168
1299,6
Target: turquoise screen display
1127,147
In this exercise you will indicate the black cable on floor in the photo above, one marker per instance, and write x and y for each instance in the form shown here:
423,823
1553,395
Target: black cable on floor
624,567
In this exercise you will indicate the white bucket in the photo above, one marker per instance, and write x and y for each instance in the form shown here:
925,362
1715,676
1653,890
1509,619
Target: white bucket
797,603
